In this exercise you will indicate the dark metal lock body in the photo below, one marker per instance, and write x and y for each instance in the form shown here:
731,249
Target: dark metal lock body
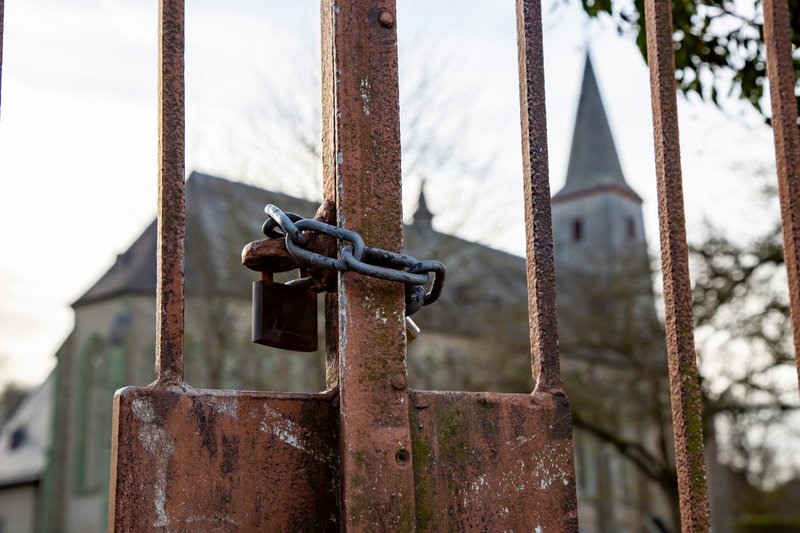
284,316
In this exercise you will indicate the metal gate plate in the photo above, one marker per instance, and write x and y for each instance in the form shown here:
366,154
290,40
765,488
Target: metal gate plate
212,460
492,462
204,460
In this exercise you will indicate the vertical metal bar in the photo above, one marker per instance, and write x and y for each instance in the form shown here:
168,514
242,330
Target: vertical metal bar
362,107
780,70
2,10
538,224
171,201
683,379
329,185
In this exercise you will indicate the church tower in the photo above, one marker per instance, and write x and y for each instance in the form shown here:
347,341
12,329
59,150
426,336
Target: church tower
602,266
609,332
597,216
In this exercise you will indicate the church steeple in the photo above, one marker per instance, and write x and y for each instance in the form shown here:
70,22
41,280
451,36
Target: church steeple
423,216
593,161
597,216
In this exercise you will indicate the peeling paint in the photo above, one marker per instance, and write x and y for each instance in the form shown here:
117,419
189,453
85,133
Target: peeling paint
203,518
342,333
157,442
548,467
143,410
364,88
292,434
226,406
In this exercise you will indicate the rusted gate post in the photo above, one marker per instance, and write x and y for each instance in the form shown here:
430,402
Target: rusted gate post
368,454
543,322
171,196
2,9
780,70
683,378
467,461
361,99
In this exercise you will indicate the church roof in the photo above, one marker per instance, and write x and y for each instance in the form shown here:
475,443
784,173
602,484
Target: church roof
222,216
593,161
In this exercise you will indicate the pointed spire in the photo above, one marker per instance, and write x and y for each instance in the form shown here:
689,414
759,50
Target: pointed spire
423,215
593,161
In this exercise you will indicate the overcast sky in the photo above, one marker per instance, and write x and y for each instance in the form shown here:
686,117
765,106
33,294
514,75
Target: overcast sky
78,129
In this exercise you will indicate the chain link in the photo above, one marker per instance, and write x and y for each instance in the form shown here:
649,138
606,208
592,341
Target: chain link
355,257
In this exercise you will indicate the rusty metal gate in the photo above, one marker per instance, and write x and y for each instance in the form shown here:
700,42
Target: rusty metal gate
370,454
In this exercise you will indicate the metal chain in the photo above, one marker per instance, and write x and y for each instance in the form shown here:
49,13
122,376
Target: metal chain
355,257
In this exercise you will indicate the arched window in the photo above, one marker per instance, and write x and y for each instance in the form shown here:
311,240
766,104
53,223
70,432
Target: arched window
92,368
18,438
577,230
101,372
630,228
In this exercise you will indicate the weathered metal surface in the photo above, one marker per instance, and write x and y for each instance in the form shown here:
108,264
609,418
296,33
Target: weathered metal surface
363,131
268,255
171,194
202,460
492,462
546,412
538,224
328,82
683,379
190,460
325,245
271,255
2,9
780,71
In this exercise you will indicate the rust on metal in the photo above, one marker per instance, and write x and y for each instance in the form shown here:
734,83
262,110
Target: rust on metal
268,255
386,19
324,279
780,71
331,340
2,9
324,244
538,224
203,460
493,462
362,134
328,82
527,440
683,378
171,194
369,454
327,213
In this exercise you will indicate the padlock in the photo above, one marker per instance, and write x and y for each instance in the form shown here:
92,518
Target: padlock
284,316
